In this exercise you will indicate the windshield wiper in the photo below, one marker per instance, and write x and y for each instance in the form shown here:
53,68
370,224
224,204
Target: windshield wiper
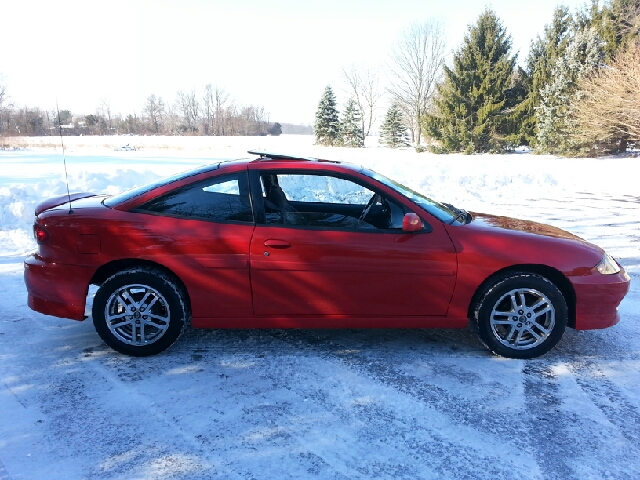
460,214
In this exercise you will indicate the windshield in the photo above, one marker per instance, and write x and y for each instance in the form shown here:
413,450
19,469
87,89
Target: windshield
136,191
442,212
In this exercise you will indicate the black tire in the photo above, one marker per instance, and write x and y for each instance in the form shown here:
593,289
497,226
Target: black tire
520,315
140,312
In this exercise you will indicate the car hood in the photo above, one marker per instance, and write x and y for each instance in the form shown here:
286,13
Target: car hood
518,226
512,241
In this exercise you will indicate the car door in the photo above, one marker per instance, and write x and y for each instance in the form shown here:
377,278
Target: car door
329,263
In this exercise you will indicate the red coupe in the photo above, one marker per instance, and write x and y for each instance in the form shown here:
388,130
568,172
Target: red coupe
289,242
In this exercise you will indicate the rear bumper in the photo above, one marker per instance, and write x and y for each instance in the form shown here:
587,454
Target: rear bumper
56,289
597,299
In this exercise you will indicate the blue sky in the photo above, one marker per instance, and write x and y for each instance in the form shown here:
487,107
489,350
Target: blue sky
279,54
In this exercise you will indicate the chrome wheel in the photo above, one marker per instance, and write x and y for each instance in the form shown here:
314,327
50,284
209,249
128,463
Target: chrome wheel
137,314
522,318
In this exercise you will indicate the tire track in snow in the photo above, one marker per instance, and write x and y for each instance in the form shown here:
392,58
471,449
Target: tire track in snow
548,434
91,413
202,458
409,446
443,449
459,414
545,429
614,404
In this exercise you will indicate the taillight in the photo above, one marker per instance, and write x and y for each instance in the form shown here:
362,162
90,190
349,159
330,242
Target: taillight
40,233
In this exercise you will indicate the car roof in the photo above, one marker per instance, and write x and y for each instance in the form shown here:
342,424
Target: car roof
267,156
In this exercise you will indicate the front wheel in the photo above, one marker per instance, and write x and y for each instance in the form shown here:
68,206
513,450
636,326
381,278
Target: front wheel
521,315
140,312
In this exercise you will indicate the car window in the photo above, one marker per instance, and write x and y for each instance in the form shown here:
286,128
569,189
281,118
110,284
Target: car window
222,199
137,191
229,187
443,212
323,188
326,201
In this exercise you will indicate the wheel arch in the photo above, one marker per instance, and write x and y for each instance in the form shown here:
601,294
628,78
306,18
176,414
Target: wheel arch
108,269
553,275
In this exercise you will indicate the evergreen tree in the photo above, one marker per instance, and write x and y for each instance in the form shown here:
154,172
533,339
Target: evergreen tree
351,126
554,116
471,113
617,24
275,129
62,117
393,132
327,126
543,54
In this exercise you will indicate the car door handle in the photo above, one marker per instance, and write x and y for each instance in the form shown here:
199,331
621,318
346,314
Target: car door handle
273,243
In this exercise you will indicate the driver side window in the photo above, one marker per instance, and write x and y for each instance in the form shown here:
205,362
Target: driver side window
326,201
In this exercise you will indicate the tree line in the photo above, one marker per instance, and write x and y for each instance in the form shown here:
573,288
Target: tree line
212,112
577,93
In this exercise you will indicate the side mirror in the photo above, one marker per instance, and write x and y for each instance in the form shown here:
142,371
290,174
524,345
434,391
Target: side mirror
411,223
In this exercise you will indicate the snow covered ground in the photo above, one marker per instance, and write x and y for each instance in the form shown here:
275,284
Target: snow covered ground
401,404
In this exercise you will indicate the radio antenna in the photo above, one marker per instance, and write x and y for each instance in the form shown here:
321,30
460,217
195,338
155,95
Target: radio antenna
64,159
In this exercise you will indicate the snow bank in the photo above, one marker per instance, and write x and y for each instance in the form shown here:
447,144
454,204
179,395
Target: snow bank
520,184
18,201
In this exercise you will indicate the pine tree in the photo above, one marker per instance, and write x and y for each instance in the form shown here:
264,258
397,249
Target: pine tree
470,112
275,129
583,55
617,24
543,54
351,126
393,131
327,126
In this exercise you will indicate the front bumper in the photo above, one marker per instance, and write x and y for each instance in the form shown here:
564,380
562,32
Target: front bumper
598,297
56,289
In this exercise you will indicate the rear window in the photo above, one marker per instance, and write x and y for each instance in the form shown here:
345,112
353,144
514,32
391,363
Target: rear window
221,199
137,191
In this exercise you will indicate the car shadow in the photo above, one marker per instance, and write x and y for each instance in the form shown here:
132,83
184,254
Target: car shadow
459,342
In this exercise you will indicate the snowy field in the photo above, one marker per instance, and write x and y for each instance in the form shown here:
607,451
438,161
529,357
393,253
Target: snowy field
275,404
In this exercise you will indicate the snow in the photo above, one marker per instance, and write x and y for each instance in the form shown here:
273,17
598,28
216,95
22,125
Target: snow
318,403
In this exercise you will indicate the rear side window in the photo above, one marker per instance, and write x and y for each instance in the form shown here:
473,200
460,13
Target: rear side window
221,199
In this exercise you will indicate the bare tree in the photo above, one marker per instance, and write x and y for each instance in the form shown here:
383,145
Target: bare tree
104,110
4,102
606,112
221,99
416,66
253,121
190,107
208,109
364,87
172,119
154,111
29,121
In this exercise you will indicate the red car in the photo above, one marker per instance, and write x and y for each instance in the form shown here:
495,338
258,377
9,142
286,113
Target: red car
288,242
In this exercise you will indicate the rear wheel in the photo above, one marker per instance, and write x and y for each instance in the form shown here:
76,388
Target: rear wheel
140,312
521,315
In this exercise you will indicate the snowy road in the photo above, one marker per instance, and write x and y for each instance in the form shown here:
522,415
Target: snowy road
272,404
